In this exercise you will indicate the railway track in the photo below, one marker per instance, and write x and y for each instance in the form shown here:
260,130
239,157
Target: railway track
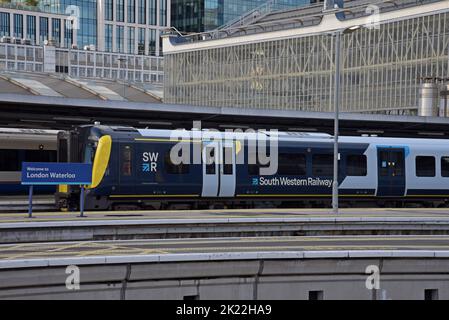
20,204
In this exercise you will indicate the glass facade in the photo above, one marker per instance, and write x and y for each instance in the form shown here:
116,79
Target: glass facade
87,11
18,26
381,70
117,14
204,15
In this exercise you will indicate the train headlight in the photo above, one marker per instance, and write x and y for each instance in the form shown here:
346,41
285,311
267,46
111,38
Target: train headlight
41,147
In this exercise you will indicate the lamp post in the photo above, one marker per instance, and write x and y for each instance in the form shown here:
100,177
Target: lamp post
337,98
122,61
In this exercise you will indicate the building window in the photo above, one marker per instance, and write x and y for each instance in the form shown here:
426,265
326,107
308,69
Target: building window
445,166
293,164
56,30
131,11
18,26
4,24
141,42
108,38
120,39
31,29
120,11
152,44
43,29
153,14
322,165
131,39
142,10
163,12
425,166
356,165
68,35
109,10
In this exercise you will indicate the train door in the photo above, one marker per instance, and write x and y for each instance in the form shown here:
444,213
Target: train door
391,172
227,169
211,172
218,169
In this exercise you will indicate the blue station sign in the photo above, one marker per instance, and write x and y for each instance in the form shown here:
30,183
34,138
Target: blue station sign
51,173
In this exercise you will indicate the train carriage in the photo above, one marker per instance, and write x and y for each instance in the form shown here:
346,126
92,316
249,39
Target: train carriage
133,168
24,145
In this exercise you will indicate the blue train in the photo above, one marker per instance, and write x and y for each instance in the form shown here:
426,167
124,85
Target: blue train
140,168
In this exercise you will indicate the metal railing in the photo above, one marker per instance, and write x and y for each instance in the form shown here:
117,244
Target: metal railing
84,64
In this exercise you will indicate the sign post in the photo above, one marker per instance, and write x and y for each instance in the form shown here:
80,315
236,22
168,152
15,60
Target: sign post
82,202
30,202
51,173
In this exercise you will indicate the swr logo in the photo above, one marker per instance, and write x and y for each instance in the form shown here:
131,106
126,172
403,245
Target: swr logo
150,161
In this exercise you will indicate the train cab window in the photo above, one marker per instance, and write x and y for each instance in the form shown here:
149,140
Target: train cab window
227,160
171,168
356,165
445,166
126,161
322,164
425,166
292,164
9,160
210,160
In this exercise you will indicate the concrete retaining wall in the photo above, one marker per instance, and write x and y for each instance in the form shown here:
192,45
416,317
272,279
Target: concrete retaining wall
236,227
403,275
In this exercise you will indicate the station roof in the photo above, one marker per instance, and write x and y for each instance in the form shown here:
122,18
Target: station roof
55,112
54,85
301,21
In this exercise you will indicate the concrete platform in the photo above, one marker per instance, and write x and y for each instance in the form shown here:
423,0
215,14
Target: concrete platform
48,227
226,213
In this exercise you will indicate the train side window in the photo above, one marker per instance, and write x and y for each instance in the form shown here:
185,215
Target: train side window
356,165
322,164
254,168
227,159
210,160
425,166
126,161
445,166
172,168
292,164
40,155
9,160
